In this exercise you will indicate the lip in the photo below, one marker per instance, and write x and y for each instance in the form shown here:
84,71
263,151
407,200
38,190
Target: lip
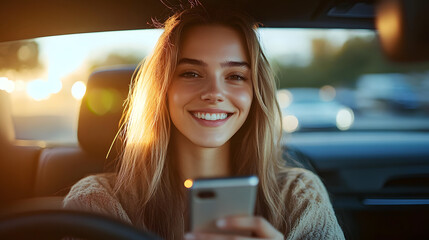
210,110
210,123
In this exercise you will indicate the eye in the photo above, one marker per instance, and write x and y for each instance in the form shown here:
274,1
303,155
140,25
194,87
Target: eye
236,77
190,75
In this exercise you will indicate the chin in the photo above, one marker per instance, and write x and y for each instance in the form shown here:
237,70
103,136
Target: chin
209,142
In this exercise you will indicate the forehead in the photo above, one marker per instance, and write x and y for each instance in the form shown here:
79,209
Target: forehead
213,42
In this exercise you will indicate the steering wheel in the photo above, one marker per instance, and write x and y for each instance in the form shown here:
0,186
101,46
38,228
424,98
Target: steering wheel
56,224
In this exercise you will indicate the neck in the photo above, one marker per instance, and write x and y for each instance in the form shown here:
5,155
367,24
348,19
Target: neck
195,161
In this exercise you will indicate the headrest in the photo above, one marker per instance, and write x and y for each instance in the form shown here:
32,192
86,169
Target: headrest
101,110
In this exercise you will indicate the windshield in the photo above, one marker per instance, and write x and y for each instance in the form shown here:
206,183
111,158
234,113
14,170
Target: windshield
328,80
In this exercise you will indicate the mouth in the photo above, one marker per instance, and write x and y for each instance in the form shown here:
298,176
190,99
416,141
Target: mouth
211,116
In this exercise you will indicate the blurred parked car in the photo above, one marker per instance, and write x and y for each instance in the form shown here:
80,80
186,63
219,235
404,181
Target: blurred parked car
311,108
423,96
346,96
390,92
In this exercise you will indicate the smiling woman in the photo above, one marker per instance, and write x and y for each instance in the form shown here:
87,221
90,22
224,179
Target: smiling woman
212,78
203,104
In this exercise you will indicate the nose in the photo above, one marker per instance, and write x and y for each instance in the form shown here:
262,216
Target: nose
214,91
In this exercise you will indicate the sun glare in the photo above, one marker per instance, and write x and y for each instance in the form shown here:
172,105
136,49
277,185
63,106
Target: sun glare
7,85
42,90
55,86
38,90
78,90
103,101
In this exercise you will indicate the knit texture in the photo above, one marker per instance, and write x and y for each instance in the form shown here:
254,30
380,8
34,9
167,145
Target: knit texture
310,211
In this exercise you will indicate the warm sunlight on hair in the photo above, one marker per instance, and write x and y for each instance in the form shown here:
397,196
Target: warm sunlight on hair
188,183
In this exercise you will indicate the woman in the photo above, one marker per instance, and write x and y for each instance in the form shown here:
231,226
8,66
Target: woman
203,105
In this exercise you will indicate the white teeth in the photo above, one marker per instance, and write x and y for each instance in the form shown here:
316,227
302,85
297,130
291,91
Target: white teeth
211,117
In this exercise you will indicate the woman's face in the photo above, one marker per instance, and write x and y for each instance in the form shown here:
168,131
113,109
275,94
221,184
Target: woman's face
211,91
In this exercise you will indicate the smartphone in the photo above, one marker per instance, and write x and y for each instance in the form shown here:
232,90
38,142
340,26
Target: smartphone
214,198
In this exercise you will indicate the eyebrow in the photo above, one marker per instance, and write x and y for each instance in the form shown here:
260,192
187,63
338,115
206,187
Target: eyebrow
235,64
191,61
224,64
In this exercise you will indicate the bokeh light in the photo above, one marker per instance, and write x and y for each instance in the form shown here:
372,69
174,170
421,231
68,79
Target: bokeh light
102,101
388,24
327,93
345,118
42,90
78,90
25,53
6,84
284,97
38,90
290,123
188,183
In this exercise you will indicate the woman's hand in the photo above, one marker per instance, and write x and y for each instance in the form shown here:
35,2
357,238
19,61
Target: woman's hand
258,226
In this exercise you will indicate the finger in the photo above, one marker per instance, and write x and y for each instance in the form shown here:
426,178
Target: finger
258,225
214,236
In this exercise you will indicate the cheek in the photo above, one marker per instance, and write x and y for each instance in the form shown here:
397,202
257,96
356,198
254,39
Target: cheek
178,96
242,98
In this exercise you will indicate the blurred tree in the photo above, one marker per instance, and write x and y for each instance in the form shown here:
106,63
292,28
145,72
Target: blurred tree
340,66
114,59
19,55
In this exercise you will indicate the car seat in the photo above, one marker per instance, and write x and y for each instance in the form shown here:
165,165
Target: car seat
100,113
17,162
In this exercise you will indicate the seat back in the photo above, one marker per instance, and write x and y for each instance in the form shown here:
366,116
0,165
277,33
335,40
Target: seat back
101,110
17,163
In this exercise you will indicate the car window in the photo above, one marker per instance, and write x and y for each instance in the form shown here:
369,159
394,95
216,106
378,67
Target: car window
328,80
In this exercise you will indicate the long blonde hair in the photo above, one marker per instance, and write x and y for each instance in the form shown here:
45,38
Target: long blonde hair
147,174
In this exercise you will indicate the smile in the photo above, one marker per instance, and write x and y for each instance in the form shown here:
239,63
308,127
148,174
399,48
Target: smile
210,116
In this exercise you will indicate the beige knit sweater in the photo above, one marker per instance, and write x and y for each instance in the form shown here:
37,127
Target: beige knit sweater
307,201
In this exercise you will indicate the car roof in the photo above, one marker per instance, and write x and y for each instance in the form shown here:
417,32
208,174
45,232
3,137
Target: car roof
23,19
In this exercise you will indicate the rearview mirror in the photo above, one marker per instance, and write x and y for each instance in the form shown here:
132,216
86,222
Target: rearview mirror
403,27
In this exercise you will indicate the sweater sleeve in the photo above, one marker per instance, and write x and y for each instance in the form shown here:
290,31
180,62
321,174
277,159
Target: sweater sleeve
95,194
310,211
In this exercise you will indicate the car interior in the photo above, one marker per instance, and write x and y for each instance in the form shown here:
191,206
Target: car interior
378,183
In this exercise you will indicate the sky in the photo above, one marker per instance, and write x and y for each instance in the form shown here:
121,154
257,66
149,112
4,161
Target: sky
64,54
